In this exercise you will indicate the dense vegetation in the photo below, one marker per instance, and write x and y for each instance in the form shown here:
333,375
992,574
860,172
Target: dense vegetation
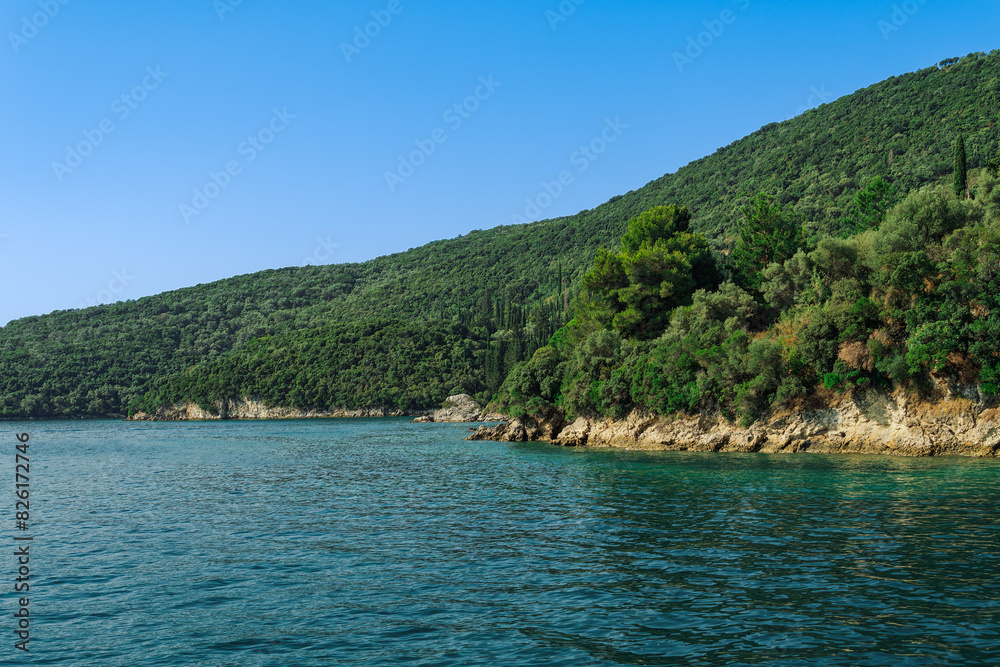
99,360
374,364
499,294
914,298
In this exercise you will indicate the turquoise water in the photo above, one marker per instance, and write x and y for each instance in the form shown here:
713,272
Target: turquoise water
379,542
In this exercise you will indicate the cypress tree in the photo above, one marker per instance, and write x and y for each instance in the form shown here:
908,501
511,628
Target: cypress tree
961,173
560,280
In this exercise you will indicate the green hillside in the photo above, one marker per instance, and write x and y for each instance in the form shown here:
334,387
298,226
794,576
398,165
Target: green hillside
497,294
912,301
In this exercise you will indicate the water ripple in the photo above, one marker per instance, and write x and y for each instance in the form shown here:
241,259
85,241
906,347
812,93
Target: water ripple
379,542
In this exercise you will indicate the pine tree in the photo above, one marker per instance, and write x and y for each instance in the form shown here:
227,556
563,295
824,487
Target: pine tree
767,234
961,173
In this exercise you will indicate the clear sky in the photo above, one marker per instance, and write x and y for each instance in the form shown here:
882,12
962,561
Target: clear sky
148,146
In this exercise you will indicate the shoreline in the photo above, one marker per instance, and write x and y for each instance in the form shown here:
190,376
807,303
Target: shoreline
866,423
249,410
459,408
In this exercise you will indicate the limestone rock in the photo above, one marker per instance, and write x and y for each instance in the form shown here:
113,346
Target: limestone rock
542,427
574,435
248,408
956,422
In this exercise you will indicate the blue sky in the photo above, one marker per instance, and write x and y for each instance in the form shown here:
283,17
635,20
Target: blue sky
152,146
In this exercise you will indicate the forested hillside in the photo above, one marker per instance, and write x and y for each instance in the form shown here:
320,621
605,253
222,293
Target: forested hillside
490,298
911,301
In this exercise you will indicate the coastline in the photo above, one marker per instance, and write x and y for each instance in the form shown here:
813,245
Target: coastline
249,409
959,424
460,409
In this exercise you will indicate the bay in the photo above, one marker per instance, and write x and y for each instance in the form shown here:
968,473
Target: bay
380,542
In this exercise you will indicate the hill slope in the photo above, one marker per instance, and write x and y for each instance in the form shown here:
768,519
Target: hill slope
507,286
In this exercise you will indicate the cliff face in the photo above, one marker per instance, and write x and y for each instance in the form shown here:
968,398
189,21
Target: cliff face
246,408
962,424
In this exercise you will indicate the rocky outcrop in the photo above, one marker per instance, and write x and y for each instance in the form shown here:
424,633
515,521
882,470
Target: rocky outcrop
524,429
960,423
246,408
460,408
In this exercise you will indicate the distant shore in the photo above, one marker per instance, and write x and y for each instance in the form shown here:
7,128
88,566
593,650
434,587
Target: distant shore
244,409
459,408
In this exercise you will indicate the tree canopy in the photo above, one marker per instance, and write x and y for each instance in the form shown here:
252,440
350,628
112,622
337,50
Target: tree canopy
659,266
768,234
503,286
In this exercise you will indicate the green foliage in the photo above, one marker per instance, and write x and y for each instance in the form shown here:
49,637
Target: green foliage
871,205
961,177
375,364
930,345
768,234
917,295
539,378
793,282
507,288
591,366
659,266
501,285
925,216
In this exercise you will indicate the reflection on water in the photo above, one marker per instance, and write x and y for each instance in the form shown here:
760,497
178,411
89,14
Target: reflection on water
377,542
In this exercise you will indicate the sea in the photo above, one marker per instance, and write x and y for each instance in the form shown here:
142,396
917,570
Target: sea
382,542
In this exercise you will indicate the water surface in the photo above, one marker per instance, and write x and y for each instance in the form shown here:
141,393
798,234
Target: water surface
379,542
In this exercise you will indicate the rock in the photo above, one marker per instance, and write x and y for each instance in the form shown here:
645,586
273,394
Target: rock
248,408
462,408
459,408
955,422
574,435
498,433
544,426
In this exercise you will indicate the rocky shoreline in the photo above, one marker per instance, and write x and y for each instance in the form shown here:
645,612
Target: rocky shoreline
458,408
898,424
252,409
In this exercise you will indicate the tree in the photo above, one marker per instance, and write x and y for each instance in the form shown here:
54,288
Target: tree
767,234
872,204
993,166
961,173
658,268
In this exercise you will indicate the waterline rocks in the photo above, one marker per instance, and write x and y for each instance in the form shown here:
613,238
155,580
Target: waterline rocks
867,423
460,408
245,408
